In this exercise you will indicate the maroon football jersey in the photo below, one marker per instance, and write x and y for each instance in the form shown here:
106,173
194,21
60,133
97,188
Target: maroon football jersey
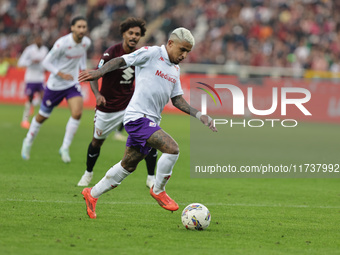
118,85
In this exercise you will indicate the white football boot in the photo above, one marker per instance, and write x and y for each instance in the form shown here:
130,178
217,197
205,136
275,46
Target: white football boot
65,156
25,150
85,179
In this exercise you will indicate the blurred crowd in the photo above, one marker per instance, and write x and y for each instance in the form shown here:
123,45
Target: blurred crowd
281,33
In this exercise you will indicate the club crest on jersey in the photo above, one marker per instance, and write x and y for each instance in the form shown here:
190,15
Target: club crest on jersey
99,132
152,124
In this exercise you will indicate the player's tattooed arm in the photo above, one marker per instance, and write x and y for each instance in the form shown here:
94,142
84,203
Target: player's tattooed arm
91,75
112,65
180,103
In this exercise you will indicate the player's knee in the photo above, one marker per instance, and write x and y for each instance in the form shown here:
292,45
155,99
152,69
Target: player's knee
97,143
40,119
174,149
76,115
129,167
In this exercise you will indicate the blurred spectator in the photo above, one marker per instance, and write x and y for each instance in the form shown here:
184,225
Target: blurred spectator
280,33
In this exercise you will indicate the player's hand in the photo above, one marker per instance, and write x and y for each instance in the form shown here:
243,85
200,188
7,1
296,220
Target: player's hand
65,76
100,100
207,120
89,75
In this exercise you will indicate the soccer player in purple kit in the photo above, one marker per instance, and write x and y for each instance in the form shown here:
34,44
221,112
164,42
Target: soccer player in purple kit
157,81
63,61
111,101
31,58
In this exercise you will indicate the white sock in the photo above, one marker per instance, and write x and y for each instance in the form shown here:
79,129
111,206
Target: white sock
113,177
27,109
71,128
87,173
164,169
33,131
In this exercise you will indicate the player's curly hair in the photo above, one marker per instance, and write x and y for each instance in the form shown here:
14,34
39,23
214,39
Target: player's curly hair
133,22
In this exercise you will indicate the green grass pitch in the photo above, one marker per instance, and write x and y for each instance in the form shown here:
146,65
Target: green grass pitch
43,212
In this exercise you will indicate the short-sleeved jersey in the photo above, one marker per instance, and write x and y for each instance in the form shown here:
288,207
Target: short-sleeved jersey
157,80
117,86
35,72
68,57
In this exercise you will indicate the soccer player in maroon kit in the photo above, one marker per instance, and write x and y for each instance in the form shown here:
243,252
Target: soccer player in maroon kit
114,96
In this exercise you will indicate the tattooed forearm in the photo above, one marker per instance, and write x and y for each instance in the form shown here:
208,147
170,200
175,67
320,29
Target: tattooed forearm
180,103
112,65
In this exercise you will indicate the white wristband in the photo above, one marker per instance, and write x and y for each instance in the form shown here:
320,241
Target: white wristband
198,115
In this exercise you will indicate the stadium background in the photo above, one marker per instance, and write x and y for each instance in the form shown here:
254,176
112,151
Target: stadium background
248,39
295,43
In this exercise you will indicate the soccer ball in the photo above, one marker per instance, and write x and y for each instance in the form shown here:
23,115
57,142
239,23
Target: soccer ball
196,216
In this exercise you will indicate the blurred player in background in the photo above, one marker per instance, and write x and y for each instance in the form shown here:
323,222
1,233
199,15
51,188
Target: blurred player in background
32,58
114,96
64,61
119,134
157,80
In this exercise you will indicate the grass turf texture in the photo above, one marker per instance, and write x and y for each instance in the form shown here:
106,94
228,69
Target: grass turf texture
42,210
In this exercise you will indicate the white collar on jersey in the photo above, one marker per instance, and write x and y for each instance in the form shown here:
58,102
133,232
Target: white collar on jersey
165,55
73,41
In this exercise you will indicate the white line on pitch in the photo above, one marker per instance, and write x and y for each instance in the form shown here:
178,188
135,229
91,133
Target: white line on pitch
150,203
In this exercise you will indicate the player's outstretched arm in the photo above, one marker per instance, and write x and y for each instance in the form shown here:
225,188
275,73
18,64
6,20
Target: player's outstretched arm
180,103
100,99
91,75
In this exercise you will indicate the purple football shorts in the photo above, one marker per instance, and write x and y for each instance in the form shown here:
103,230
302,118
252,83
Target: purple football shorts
53,98
139,131
33,87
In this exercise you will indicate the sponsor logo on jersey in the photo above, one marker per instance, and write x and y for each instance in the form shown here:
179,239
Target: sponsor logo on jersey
106,54
76,56
101,62
128,75
161,58
165,76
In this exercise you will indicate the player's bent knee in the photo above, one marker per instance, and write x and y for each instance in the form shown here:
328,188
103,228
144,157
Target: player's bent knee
174,150
129,168
76,116
97,143
41,118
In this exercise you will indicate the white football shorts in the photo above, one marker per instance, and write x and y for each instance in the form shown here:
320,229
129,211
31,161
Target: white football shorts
106,122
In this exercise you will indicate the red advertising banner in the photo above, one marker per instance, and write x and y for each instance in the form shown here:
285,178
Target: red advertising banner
299,99
324,104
